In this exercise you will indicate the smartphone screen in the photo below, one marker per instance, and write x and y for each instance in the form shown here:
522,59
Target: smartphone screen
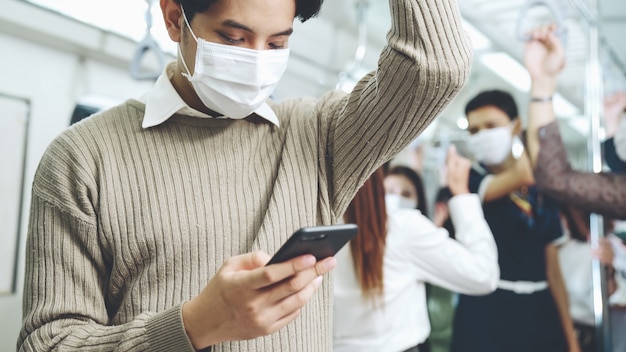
320,241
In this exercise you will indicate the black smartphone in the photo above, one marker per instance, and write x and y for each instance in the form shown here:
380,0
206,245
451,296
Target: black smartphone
320,241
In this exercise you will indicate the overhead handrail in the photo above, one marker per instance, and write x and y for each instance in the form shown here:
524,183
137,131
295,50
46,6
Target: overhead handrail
147,44
559,18
353,67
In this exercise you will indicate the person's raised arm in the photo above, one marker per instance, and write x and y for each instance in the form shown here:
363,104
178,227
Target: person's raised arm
469,264
544,58
602,193
519,175
420,70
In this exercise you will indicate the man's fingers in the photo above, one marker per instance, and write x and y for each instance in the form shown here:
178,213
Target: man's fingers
296,283
297,300
247,261
325,265
269,275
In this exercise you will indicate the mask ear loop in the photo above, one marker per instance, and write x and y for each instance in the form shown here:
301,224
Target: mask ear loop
187,75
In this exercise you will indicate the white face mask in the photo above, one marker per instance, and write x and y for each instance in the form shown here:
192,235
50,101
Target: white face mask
491,146
394,202
620,140
231,80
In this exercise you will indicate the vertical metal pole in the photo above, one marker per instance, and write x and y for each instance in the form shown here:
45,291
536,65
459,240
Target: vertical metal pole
593,109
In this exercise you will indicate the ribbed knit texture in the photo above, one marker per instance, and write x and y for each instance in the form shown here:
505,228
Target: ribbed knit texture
127,223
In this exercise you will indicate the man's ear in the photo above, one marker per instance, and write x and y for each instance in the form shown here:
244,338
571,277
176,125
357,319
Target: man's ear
172,16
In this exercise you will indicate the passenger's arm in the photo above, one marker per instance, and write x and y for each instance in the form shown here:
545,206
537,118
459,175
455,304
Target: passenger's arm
603,193
467,265
557,288
72,302
599,193
420,70
499,185
544,57
470,264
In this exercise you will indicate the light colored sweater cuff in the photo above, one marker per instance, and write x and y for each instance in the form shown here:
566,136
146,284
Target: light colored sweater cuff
166,331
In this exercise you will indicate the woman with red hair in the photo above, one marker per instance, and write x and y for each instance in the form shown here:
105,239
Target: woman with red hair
380,302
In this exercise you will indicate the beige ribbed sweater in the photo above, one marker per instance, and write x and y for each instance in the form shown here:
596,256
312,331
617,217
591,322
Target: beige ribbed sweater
127,223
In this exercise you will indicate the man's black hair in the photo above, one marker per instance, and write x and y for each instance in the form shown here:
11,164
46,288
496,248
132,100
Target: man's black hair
305,9
496,98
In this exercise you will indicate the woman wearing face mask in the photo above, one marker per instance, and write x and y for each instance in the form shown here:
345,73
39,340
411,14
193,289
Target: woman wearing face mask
528,311
380,302
404,189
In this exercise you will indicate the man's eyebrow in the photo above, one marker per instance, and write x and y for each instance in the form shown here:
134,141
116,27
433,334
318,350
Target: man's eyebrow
237,25
286,32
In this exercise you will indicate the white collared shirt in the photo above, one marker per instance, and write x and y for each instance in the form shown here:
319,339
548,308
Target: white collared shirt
163,101
416,252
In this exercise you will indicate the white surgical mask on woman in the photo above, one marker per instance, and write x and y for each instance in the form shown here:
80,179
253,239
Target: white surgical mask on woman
231,80
491,146
394,202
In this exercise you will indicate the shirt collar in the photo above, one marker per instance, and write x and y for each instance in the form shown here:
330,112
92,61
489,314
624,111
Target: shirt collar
163,101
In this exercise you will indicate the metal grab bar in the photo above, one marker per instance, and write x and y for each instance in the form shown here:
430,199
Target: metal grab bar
147,44
353,67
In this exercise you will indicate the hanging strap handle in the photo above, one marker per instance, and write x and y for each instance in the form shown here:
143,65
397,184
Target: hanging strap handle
558,16
148,43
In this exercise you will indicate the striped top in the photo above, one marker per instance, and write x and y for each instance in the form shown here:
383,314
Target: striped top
127,223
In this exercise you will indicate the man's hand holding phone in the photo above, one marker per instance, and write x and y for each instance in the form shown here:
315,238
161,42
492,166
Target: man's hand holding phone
247,299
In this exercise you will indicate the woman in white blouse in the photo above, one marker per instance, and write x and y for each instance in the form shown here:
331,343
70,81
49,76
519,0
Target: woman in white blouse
380,302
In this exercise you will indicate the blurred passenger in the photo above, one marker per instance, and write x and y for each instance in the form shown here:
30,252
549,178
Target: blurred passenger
404,188
152,222
380,301
575,257
529,310
615,128
441,301
603,193
618,299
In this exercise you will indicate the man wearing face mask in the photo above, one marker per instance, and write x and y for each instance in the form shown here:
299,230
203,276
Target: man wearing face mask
528,311
151,223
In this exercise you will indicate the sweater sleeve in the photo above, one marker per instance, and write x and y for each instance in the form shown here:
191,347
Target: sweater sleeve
602,193
423,66
65,306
